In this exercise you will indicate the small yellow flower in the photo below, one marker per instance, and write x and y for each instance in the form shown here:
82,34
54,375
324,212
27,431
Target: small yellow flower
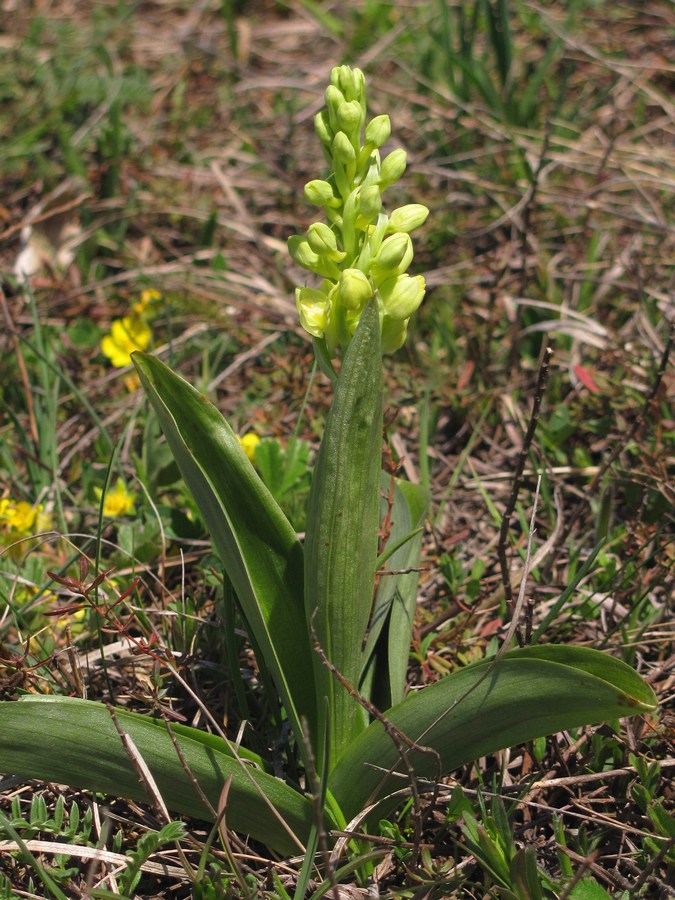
148,297
118,502
248,443
126,335
20,519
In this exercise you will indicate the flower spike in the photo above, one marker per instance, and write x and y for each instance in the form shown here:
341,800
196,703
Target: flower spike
361,251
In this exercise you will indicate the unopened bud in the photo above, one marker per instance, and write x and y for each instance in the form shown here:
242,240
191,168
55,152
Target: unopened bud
393,334
334,100
322,241
355,289
323,129
342,148
370,202
321,193
395,254
408,218
302,253
402,295
378,131
350,117
350,81
393,166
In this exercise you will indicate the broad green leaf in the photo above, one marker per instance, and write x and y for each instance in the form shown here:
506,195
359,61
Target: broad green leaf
75,742
485,707
258,547
342,524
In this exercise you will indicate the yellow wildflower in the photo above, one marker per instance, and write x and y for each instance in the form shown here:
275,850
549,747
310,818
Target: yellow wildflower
248,443
148,297
20,519
126,335
118,502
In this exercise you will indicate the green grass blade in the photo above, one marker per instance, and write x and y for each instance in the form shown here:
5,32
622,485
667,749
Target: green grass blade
259,548
75,742
499,30
528,693
342,525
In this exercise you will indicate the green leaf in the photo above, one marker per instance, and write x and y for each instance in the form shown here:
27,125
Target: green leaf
405,597
75,742
588,889
387,649
525,876
259,548
342,524
281,470
485,707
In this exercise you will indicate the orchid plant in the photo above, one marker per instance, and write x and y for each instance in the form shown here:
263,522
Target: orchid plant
331,619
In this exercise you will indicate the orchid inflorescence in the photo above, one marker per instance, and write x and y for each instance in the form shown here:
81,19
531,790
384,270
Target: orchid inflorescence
362,252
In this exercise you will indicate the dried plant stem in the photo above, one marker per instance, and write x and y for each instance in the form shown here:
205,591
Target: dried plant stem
542,378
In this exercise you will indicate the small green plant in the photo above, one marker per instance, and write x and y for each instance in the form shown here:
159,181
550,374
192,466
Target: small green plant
330,620
285,472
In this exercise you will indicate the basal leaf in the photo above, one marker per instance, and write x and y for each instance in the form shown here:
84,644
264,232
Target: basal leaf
75,742
480,709
258,547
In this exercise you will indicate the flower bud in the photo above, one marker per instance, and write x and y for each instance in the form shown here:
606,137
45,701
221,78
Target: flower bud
334,100
321,193
378,131
393,166
393,334
395,255
313,308
342,148
402,296
408,218
322,127
370,203
349,81
322,241
350,117
302,253
355,289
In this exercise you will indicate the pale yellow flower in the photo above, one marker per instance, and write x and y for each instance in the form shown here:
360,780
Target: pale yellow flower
249,442
126,335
